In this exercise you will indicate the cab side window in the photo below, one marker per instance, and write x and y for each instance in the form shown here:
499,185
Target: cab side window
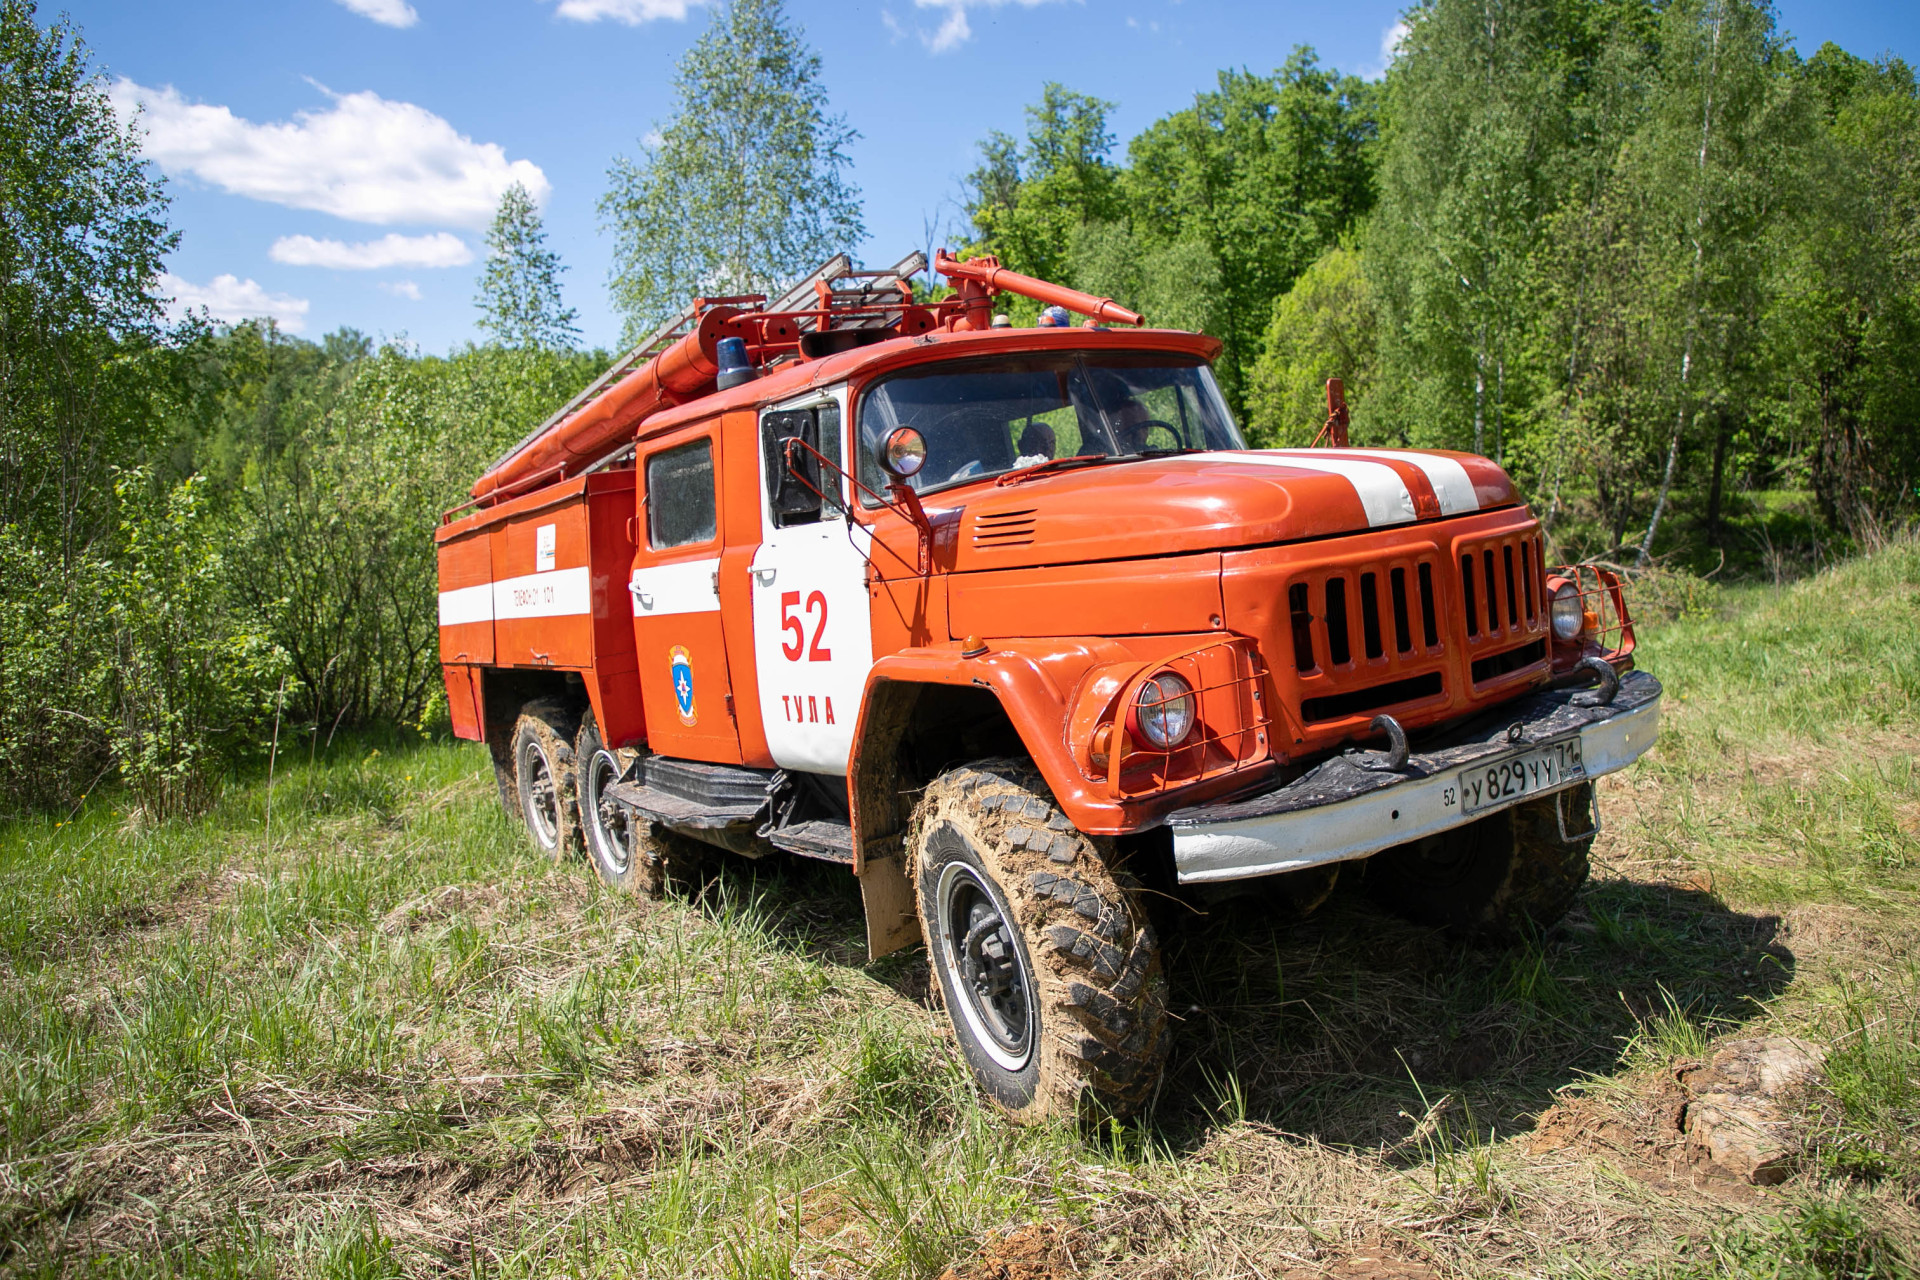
681,509
794,491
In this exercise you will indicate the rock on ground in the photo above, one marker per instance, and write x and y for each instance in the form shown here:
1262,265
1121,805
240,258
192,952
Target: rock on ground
1742,1114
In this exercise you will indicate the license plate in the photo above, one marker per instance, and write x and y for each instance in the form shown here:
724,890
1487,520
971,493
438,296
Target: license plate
1538,769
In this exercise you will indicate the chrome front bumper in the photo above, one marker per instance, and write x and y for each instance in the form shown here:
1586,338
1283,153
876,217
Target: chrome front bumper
1352,806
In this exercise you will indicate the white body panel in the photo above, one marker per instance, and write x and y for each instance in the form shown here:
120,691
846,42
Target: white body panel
555,594
812,634
1383,495
467,604
686,587
1451,483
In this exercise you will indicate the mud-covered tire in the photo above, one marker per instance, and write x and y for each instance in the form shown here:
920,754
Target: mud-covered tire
501,751
988,838
1504,877
543,775
629,853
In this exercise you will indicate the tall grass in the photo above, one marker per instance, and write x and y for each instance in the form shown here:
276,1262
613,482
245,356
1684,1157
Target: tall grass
396,1041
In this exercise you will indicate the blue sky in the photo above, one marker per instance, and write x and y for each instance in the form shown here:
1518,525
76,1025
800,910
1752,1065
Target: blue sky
333,162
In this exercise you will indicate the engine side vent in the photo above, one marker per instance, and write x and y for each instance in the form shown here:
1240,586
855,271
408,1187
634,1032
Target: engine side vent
1004,528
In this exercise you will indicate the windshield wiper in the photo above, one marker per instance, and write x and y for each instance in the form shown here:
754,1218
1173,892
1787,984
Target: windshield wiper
1055,464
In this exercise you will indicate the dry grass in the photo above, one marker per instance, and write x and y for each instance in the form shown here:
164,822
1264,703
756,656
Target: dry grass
397,1043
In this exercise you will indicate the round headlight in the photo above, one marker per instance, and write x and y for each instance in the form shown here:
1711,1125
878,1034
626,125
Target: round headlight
1569,614
1164,710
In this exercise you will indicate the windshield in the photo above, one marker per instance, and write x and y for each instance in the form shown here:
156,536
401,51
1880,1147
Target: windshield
985,417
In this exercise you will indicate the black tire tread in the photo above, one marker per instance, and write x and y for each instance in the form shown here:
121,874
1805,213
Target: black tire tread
1102,993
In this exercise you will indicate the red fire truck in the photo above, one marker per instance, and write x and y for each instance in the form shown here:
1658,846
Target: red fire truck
1010,622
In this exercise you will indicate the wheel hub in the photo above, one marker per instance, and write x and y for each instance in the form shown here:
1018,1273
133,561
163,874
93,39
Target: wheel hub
611,832
543,802
989,970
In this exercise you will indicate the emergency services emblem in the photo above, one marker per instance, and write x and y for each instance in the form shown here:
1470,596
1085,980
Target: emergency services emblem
681,664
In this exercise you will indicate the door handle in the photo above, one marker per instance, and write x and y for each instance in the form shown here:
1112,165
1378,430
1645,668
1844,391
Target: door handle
765,577
640,598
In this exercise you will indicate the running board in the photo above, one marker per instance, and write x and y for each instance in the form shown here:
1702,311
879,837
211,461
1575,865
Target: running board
826,840
677,811
692,795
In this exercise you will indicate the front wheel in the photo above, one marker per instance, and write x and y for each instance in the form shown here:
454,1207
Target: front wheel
1506,875
1042,951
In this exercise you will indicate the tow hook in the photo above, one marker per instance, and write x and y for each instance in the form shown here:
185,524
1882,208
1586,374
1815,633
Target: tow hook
1396,756
1609,683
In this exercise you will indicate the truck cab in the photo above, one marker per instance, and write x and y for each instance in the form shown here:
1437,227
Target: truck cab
1012,623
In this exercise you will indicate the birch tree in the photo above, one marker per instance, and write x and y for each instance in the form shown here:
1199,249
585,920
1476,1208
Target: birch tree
746,186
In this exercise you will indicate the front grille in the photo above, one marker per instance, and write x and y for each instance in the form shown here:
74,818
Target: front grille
1388,601
1500,583
1333,706
1502,664
1417,625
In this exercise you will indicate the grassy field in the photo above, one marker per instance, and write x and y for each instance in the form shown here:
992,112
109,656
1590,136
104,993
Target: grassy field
378,1037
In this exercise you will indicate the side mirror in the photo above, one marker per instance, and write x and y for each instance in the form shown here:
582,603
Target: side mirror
793,477
901,453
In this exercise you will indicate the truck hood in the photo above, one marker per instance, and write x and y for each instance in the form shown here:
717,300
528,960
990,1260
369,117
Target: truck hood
1209,501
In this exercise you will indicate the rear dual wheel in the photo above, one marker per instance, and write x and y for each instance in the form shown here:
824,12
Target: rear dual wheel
629,853
1041,949
543,773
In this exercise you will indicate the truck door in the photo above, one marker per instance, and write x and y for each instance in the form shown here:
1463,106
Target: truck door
678,640
812,619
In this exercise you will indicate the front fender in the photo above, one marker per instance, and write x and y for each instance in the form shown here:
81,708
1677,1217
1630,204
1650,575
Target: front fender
1046,688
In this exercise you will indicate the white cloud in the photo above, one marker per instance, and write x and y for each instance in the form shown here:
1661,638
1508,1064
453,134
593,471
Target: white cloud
440,249
401,289
631,12
1390,46
366,159
231,299
955,30
388,13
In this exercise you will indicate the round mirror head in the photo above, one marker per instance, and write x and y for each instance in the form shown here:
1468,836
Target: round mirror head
903,451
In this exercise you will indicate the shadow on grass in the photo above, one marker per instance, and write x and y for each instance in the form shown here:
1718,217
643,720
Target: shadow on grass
1337,1025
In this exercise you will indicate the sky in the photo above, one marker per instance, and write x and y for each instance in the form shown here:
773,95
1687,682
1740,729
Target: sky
335,162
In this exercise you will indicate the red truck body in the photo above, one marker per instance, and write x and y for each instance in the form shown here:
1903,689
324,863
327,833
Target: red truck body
712,575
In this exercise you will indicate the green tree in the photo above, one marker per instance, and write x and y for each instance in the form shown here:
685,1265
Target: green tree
191,679
519,300
1477,129
1717,161
1027,200
1263,173
1845,330
83,236
1324,327
82,368
747,185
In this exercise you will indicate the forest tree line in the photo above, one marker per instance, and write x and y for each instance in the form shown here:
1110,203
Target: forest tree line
1649,256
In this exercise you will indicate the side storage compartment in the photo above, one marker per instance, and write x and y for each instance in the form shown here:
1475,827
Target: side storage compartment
535,590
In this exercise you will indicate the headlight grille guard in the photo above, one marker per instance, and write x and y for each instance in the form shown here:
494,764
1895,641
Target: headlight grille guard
1607,632
1229,730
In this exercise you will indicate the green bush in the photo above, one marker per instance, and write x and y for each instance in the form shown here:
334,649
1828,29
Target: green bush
191,679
